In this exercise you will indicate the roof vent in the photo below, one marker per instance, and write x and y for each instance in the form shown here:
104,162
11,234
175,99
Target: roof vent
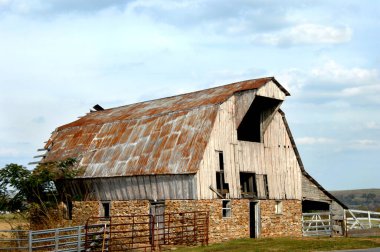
97,107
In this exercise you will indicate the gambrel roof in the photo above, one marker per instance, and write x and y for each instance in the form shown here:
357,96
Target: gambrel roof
163,136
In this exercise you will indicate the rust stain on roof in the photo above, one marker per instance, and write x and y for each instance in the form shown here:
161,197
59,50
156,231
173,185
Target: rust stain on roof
164,136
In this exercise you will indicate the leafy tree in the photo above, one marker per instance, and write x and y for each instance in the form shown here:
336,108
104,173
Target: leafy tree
37,187
14,187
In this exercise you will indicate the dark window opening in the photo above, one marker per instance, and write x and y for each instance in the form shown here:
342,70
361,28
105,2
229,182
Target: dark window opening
250,128
248,185
309,206
226,208
221,185
266,186
221,161
106,209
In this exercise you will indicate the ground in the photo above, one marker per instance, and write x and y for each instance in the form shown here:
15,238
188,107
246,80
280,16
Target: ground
289,244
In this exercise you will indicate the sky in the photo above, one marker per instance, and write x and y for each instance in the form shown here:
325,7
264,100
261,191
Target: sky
58,58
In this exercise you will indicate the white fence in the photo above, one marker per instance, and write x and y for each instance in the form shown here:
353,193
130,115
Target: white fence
358,219
317,224
69,239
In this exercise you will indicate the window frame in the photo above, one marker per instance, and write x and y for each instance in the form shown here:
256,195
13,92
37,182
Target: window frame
278,208
248,185
105,209
226,208
221,186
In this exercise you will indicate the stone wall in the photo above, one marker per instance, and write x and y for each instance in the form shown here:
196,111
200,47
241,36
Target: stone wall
288,223
129,207
220,229
82,210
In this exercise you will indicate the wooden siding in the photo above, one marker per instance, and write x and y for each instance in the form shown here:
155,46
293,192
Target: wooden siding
133,188
274,157
271,90
310,191
243,101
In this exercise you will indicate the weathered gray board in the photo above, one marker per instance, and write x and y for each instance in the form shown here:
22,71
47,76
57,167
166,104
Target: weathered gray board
149,187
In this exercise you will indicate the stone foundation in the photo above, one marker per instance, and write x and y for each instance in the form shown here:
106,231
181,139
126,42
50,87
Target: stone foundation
220,229
288,223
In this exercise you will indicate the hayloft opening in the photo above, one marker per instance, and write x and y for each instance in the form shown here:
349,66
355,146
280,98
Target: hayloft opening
248,185
251,127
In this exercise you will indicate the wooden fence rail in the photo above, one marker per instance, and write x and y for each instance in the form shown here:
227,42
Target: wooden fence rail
317,224
359,219
116,233
68,239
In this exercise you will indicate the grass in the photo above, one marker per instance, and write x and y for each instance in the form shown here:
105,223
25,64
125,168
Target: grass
289,244
15,221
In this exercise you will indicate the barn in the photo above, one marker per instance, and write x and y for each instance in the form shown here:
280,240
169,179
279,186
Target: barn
227,150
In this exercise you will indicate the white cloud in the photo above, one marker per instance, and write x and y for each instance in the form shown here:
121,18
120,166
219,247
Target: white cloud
373,125
331,71
305,34
293,79
314,140
362,90
363,144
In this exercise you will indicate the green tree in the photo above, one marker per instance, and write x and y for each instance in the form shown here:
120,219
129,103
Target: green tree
19,186
14,187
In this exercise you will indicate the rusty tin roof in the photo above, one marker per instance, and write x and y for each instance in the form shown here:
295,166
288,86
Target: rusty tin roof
164,136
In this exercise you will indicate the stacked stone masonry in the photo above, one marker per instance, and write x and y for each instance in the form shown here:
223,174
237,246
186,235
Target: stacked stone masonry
287,223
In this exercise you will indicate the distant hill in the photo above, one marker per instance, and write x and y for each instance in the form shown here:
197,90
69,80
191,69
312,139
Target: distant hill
365,199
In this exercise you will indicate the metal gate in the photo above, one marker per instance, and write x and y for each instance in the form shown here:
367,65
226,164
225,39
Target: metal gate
317,224
146,232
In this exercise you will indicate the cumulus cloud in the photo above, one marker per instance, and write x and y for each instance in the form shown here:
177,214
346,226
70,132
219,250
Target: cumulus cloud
305,34
362,90
362,144
314,140
232,17
373,125
331,71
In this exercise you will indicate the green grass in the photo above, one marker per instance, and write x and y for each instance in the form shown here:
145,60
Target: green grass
289,244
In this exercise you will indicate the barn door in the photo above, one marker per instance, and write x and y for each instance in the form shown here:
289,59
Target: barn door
157,210
254,219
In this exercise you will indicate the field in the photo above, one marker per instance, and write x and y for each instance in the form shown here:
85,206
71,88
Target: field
289,244
12,221
365,199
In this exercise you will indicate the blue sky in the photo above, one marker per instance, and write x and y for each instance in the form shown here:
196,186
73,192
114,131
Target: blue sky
58,58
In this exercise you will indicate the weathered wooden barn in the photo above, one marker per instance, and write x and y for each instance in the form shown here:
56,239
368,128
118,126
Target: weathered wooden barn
227,150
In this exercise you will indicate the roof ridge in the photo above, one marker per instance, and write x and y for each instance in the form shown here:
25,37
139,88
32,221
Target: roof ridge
192,92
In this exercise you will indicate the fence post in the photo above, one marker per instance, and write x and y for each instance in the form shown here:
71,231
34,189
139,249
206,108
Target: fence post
79,238
56,240
331,224
345,223
30,241
369,219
